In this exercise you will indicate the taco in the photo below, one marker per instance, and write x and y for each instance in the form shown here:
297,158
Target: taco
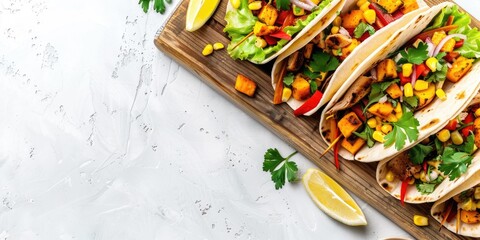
410,92
260,30
438,164
459,210
318,69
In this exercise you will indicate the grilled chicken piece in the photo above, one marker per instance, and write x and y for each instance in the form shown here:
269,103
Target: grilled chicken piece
295,61
355,93
308,50
402,167
337,41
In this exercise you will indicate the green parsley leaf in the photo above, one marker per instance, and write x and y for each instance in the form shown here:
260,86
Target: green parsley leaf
411,101
313,86
438,146
367,135
468,146
427,188
418,153
288,79
323,62
362,28
158,5
280,168
439,75
454,163
283,4
415,55
405,128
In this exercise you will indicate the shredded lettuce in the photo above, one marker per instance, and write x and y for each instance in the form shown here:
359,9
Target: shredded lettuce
240,23
471,47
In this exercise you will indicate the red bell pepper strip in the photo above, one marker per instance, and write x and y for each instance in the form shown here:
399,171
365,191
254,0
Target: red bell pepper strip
364,36
281,34
404,80
397,14
282,15
403,190
469,119
449,20
289,20
310,104
384,17
421,69
452,125
336,148
425,166
270,40
459,43
358,111
451,56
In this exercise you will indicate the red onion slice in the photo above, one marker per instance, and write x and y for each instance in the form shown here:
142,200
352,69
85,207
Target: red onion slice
401,96
373,73
303,5
444,40
344,31
414,75
383,99
430,46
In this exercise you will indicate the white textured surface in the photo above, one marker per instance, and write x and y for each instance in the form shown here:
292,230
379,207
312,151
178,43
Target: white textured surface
104,137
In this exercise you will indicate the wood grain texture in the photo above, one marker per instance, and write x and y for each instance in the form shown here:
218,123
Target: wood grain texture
219,72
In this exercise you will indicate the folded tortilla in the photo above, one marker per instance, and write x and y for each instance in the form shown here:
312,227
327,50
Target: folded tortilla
431,118
327,14
469,230
353,63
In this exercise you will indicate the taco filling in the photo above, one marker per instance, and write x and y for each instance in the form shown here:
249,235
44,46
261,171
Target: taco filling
464,207
445,155
379,107
309,69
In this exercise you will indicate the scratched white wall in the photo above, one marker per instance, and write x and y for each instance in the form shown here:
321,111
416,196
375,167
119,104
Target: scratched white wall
104,137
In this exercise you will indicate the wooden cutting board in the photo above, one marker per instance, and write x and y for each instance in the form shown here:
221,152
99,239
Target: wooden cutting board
219,72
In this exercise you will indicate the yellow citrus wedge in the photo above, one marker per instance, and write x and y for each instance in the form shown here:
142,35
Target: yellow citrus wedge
198,13
332,199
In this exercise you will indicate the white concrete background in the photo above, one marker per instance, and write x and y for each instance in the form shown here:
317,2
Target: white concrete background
102,136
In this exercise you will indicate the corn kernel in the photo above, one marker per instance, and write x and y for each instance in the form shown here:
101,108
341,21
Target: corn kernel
338,21
372,122
398,108
420,221
438,37
407,69
365,6
443,135
432,63
408,90
235,3
386,128
421,85
391,118
411,181
218,46
390,176
456,137
286,94
255,5
207,50
378,136
399,115
369,15
260,42
476,193
423,176
335,29
477,112
361,2
441,94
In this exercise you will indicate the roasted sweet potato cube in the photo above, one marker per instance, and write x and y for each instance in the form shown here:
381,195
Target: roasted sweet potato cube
394,91
476,131
349,124
352,18
409,5
381,110
300,88
459,68
245,85
386,69
268,14
353,145
349,49
425,96
261,29
390,5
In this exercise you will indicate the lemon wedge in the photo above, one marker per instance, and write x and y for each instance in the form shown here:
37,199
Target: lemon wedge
198,13
332,199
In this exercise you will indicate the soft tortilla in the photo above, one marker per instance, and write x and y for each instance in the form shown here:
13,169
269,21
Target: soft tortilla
352,63
431,120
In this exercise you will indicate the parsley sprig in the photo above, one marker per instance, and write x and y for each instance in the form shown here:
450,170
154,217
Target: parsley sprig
281,168
158,5
405,128
454,163
362,28
414,55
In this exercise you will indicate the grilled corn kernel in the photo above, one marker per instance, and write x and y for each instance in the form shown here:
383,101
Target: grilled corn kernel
391,118
386,128
255,5
390,176
477,112
260,42
421,85
398,108
420,220
369,15
441,94
432,63
361,2
372,122
456,137
335,29
408,90
338,21
438,36
411,181
468,205
207,50
378,136
218,46
407,69
235,3
286,94
443,135
423,176
365,6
